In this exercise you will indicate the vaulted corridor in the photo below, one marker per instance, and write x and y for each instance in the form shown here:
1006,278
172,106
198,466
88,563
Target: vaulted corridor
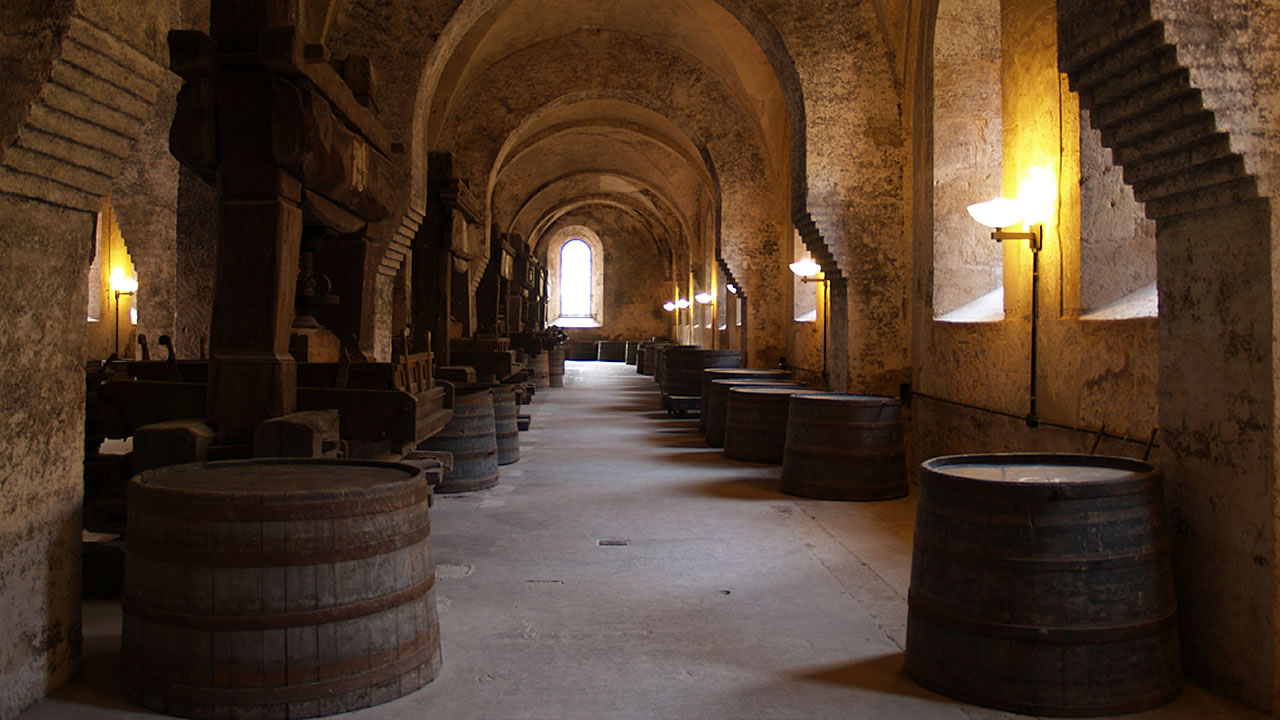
622,569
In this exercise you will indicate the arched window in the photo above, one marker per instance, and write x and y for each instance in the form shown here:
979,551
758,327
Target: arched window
575,259
575,279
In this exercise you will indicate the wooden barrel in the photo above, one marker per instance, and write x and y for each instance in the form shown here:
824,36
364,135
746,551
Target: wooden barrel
754,424
653,352
640,353
472,438
580,350
541,364
278,588
611,350
633,348
1041,584
716,410
709,374
683,366
506,429
555,368
844,447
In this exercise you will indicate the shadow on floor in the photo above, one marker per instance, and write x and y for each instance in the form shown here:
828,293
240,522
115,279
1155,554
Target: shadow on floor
99,685
738,488
882,674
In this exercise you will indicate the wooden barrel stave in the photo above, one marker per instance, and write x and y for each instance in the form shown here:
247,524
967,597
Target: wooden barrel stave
755,422
472,438
844,447
1043,600
275,604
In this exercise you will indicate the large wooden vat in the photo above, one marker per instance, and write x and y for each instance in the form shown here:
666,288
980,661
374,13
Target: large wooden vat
682,368
472,438
652,351
278,588
555,368
580,350
1042,584
611,350
844,447
633,350
710,374
718,400
506,431
755,421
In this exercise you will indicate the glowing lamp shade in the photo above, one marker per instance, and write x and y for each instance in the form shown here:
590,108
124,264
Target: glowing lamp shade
998,213
704,298
682,303
121,283
806,268
669,306
732,288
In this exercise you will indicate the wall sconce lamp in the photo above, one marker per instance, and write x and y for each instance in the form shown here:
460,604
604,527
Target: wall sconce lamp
733,289
669,306
1001,213
121,284
683,304
808,270
704,298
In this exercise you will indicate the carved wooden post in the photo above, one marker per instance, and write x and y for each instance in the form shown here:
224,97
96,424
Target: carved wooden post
450,206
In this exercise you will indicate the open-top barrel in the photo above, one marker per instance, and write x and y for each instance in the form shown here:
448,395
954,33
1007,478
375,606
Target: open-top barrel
710,374
754,426
683,366
472,438
844,447
1042,584
278,588
633,349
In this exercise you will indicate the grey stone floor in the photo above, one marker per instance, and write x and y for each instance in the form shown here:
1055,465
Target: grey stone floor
728,600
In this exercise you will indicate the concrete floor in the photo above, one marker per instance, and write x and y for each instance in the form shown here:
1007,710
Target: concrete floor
727,601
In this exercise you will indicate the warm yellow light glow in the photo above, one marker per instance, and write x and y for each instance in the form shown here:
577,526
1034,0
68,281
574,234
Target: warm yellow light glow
122,283
669,306
806,268
682,303
732,288
1038,195
704,298
999,212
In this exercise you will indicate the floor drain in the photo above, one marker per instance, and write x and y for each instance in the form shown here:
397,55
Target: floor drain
614,543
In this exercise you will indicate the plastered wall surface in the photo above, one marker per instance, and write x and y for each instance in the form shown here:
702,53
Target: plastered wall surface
45,256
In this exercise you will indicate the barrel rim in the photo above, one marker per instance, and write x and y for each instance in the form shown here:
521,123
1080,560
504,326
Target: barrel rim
143,490
846,398
1143,475
766,389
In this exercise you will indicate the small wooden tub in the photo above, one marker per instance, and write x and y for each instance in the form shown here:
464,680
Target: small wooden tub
611,350
711,374
278,588
506,431
755,420
472,438
844,447
1042,584
555,368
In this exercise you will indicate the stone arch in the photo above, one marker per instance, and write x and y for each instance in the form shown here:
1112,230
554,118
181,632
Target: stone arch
554,245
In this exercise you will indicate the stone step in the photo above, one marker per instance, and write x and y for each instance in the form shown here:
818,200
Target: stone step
1146,100
1139,50
1196,128
1191,179
1084,40
1205,198
1118,132
1158,65
1203,151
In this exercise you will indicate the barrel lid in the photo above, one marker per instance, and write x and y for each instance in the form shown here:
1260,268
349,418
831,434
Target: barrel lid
1056,474
789,389
848,399
269,487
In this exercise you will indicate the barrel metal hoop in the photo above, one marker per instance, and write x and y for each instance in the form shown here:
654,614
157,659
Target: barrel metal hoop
1093,634
230,558
208,506
1150,554
425,644
285,621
